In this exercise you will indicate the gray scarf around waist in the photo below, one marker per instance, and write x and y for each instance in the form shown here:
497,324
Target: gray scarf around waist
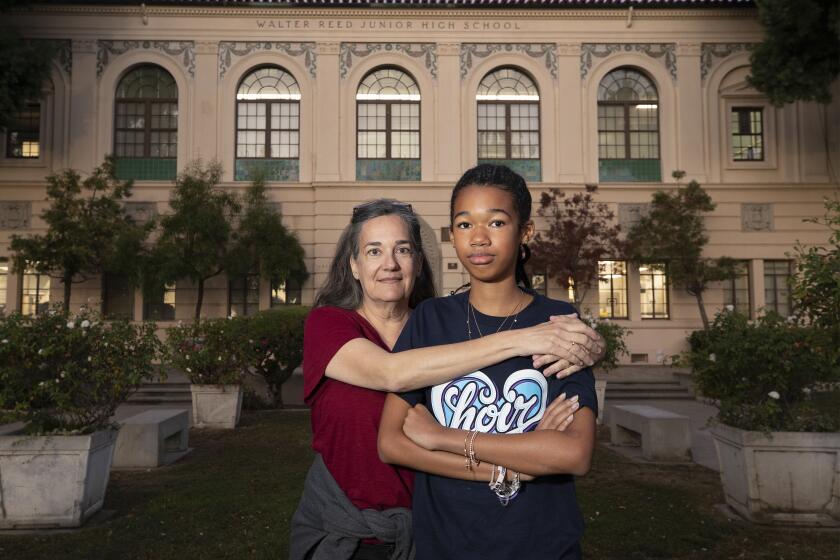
327,526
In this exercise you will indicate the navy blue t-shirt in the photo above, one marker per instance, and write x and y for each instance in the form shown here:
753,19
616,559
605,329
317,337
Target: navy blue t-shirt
464,520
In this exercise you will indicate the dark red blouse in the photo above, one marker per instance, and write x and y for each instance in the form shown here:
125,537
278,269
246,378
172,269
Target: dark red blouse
345,418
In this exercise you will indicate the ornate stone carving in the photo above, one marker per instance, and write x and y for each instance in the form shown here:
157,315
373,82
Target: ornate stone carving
568,49
712,53
629,214
328,48
448,49
64,55
15,215
182,52
228,50
688,49
141,212
427,51
757,217
664,52
483,50
206,47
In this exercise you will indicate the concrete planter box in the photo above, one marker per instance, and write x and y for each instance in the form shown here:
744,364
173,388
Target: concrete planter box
600,391
216,406
790,478
53,481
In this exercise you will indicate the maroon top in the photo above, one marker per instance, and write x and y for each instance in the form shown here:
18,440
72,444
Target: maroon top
345,418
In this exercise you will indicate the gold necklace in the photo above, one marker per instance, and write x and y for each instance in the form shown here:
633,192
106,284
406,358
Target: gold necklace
471,310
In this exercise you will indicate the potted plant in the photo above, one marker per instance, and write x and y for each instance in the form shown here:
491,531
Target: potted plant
213,354
61,379
613,335
275,346
777,427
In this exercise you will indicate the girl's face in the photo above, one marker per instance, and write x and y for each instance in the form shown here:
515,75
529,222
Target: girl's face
386,266
487,234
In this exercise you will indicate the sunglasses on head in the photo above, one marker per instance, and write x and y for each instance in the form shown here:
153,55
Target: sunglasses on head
358,208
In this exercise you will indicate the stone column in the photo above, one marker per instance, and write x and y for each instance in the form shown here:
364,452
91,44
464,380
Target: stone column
449,91
205,139
326,141
83,107
757,285
569,156
691,156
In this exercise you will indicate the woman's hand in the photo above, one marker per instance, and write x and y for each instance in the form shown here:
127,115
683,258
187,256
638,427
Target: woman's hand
559,414
422,428
572,345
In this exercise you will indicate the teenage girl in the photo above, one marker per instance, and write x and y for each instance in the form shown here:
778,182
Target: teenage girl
491,483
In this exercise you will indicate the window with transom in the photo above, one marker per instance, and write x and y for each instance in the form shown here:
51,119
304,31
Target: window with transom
747,133
628,127
777,275
508,110
146,124
612,289
268,125
388,126
653,284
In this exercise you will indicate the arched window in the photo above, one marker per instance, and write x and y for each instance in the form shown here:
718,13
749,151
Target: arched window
628,127
268,125
388,126
146,124
509,121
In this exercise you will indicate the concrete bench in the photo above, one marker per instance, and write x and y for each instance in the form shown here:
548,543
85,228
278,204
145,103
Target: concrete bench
665,436
152,438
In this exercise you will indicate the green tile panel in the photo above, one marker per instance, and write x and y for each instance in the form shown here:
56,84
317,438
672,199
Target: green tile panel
146,169
387,169
272,169
629,170
530,169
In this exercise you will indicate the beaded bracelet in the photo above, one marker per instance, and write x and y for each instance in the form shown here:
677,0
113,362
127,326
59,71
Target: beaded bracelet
472,449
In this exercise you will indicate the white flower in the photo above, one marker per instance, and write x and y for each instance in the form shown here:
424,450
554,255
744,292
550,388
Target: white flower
806,390
220,358
791,319
730,307
40,351
774,395
5,341
85,324
90,359
189,370
70,324
712,358
186,356
41,384
63,374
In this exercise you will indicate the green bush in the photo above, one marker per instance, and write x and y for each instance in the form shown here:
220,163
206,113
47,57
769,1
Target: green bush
613,335
764,372
275,345
211,351
61,373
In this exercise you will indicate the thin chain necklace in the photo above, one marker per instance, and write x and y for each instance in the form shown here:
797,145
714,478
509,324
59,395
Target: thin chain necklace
471,311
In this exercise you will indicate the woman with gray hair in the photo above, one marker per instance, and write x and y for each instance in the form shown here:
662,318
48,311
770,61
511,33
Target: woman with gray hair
353,505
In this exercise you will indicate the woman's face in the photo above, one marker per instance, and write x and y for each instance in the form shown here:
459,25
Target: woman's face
386,266
486,233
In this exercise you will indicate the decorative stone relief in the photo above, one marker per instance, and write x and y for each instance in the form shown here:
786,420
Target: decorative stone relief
757,217
426,51
181,51
630,213
712,53
15,215
568,49
141,212
229,50
664,52
548,51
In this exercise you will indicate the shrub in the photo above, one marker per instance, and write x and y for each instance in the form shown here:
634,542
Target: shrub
210,352
61,373
613,335
764,372
275,341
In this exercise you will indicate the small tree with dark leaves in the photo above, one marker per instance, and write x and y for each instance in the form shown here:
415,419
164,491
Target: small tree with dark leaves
580,233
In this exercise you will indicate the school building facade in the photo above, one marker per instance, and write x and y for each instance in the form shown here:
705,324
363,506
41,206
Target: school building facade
341,102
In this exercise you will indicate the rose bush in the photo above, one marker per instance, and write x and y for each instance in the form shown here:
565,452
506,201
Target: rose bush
62,373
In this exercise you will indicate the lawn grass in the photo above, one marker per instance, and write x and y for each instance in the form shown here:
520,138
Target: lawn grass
232,497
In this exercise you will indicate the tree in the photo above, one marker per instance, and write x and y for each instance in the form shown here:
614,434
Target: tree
195,238
580,233
263,244
674,233
799,58
816,286
24,68
86,235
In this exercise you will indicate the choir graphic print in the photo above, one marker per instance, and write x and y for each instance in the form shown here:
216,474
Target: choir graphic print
473,402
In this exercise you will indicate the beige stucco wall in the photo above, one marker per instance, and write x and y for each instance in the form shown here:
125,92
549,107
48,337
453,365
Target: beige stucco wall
694,103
